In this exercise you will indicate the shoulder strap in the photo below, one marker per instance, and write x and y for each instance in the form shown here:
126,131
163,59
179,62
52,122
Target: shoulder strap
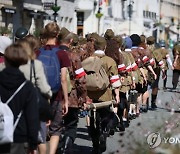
7,102
32,71
55,49
20,87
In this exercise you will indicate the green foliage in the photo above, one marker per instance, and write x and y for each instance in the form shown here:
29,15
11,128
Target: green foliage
99,15
36,32
55,8
5,30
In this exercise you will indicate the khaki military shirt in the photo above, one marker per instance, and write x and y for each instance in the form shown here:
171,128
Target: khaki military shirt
111,69
176,54
126,79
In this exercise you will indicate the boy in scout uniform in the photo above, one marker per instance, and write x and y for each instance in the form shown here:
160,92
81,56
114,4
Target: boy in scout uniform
158,66
176,64
135,77
144,65
98,126
148,62
141,60
166,58
113,50
77,94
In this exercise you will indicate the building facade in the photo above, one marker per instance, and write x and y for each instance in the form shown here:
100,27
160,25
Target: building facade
149,17
7,11
169,19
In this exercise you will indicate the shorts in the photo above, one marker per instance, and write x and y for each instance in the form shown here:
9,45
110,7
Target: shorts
133,94
156,82
56,123
141,89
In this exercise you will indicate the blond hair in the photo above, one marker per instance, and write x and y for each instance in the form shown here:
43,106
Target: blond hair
26,46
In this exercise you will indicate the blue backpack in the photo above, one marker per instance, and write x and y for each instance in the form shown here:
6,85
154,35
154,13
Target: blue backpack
51,66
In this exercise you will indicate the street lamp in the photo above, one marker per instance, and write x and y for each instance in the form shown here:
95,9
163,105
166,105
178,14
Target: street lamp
99,15
55,8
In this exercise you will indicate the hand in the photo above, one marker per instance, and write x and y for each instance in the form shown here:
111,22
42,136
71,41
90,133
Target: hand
175,64
145,80
155,76
65,108
163,76
172,68
115,109
32,152
85,106
48,122
88,101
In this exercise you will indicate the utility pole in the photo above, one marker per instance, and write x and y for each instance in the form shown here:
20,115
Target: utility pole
130,12
98,16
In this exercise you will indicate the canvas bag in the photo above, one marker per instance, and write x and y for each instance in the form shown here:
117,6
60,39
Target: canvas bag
52,67
7,125
96,78
45,109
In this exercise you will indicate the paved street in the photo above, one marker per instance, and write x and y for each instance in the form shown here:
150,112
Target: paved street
135,136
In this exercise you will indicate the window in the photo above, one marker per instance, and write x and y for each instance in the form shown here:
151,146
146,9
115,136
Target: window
144,14
80,18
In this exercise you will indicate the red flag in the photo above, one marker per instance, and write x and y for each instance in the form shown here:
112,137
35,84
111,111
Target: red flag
101,2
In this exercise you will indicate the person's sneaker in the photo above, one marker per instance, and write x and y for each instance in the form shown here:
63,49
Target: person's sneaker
126,124
130,116
134,116
102,142
121,127
137,115
144,108
164,88
140,109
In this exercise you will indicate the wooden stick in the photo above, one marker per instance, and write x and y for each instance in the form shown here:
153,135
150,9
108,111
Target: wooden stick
100,105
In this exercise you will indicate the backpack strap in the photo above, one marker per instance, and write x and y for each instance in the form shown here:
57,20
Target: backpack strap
20,87
32,71
55,49
7,102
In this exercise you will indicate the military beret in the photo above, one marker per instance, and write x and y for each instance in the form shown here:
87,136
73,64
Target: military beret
109,34
63,33
118,39
94,35
100,42
150,40
82,40
143,38
75,38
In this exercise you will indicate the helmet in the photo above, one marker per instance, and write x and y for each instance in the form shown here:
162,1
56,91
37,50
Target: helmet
162,43
21,33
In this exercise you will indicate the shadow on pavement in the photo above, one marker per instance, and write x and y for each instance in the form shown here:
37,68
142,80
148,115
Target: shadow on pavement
82,130
78,149
83,136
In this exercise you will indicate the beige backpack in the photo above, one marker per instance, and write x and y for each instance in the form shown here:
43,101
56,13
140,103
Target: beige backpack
96,78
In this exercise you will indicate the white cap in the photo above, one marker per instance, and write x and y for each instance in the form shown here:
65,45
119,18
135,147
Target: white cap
4,43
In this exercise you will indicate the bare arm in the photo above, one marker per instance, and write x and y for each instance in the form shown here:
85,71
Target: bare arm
116,90
64,87
151,69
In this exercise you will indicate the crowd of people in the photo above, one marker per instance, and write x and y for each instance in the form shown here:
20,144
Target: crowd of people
71,72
